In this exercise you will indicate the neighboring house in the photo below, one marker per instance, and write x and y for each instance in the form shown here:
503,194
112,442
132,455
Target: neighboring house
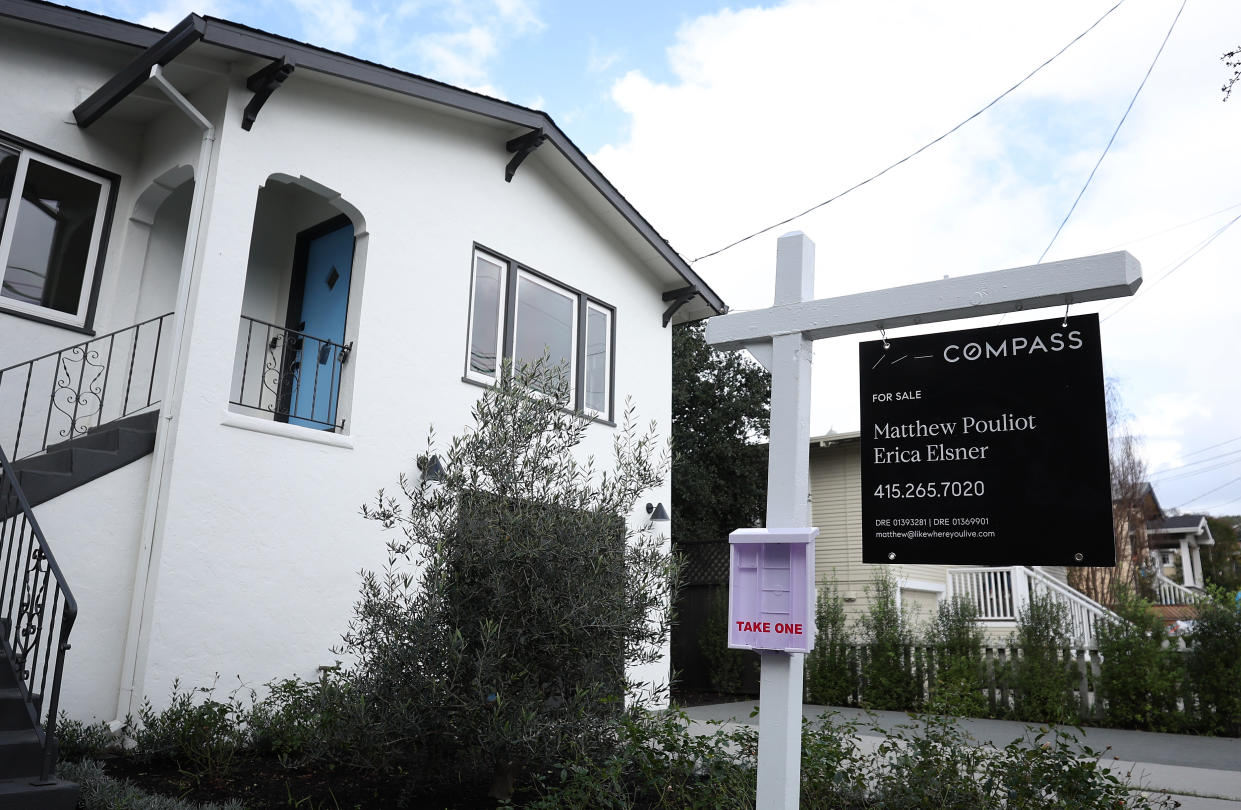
280,266
1175,542
998,592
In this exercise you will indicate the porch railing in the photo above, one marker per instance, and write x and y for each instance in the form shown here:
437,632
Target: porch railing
37,611
63,394
1169,592
292,375
999,594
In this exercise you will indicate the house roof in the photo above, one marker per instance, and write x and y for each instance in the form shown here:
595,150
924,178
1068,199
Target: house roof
686,291
1176,527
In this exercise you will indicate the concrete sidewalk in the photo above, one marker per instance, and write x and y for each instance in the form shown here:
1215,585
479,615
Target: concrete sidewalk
1203,773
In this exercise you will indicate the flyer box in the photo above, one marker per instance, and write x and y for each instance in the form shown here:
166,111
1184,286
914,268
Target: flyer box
771,590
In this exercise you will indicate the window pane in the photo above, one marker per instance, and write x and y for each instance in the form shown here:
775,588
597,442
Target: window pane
597,337
485,319
544,325
52,238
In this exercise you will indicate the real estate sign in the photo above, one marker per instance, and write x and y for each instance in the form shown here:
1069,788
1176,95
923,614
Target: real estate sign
986,447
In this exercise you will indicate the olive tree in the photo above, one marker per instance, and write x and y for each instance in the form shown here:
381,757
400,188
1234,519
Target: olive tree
516,598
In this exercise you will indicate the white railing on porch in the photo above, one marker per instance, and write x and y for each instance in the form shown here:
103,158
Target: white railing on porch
1169,592
999,594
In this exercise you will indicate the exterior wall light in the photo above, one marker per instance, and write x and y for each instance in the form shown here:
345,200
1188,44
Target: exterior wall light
657,512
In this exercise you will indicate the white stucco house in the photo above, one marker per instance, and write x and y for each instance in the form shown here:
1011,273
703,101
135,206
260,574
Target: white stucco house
243,276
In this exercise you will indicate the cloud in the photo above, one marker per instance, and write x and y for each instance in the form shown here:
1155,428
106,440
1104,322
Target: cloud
334,24
772,110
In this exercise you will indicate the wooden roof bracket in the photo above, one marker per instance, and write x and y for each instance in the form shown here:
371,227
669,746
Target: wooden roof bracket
679,298
523,145
263,83
129,78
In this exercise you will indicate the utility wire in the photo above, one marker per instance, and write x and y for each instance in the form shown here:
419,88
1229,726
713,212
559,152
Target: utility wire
1193,473
1212,446
1201,247
1209,492
919,150
1162,472
1115,132
1127,242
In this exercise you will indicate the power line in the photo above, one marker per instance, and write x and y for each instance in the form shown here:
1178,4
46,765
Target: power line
1126,242
1115,132
1209,492
1201,247
1161,473
1212,446
919,150
1194,473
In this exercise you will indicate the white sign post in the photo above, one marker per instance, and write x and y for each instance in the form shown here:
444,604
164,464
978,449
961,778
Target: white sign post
781,339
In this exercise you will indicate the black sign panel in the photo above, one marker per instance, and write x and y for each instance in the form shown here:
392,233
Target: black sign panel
987,447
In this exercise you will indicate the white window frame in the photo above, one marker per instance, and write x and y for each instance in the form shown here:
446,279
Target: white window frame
592,306
470,373
89,272
508,312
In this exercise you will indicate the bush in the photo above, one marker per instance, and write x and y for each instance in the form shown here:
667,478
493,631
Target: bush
725,666
200,736
957,640
888,680
1215,663
304,722
77,740
829,680
98,791
1042,677
499,635
1138,676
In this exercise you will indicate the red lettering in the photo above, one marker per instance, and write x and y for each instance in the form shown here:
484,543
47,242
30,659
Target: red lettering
766,627
797,629
740,628
782,628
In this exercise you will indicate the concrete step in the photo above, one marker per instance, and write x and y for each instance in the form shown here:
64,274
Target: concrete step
20,753
25,794
70,464
13,711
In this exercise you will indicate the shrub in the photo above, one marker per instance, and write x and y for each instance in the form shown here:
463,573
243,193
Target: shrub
200,736
1138,676
1042,677
957,639
1215,663
77,740
888,680
499,635
725,666
303,722
98,791
829,680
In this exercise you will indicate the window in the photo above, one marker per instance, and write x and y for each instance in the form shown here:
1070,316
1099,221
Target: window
51,225
518,313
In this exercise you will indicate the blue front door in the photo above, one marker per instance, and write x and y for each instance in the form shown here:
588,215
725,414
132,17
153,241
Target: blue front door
319,301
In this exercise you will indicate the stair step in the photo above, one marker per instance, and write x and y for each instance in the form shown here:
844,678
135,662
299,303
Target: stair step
13,711
20,753
71,464
22,794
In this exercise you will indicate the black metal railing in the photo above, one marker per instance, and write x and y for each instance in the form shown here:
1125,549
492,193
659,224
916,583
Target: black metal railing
37,611
292,375
63,394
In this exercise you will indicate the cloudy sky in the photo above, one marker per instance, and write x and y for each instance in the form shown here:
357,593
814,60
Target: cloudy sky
717,121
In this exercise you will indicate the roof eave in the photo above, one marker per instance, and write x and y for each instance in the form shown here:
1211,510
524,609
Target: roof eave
222,33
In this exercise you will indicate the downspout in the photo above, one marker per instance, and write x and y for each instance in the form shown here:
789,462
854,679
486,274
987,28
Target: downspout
146,572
